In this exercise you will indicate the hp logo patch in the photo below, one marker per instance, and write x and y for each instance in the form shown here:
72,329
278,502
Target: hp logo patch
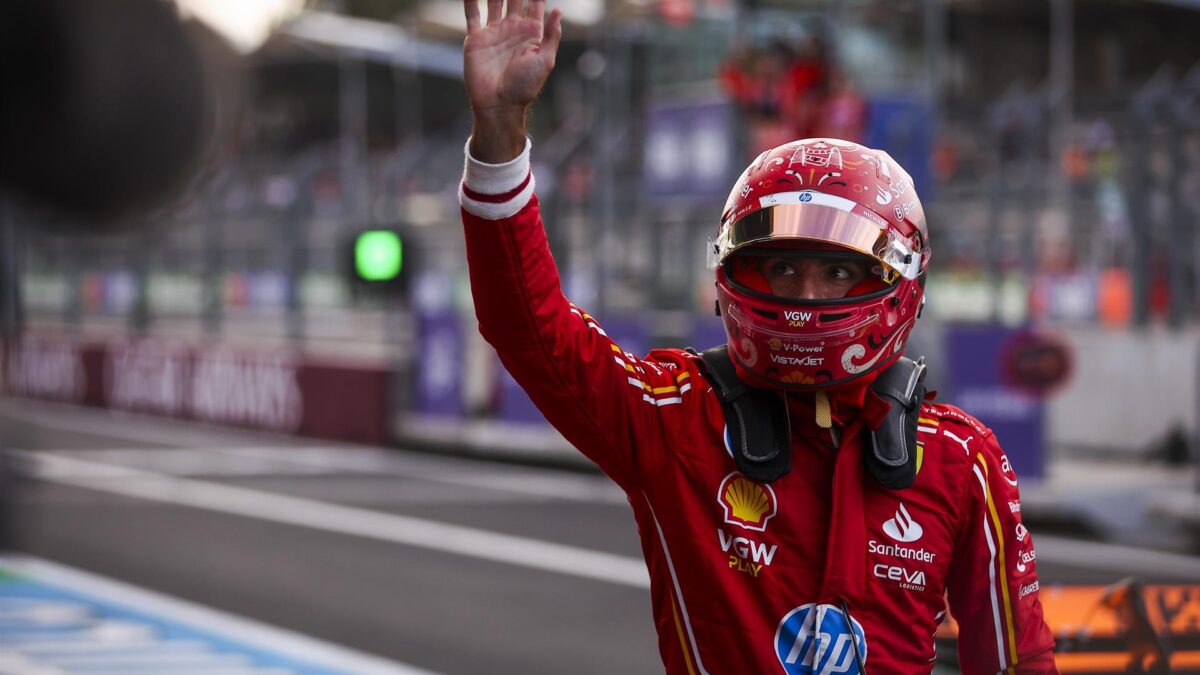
815,640
806,196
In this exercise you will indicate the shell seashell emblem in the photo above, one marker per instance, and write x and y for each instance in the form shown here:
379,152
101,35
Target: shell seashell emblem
746,503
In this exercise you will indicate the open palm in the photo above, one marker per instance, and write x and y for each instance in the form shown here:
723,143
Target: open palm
507,61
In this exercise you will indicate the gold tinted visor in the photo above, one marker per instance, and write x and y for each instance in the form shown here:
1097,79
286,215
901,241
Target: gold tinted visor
820,218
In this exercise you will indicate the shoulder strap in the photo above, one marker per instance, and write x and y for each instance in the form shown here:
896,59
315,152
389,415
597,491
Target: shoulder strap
890,454
756,420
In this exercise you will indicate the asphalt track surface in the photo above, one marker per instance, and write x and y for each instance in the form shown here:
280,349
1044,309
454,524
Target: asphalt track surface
448,564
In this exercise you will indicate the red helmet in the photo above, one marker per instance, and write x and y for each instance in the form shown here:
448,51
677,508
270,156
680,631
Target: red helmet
827,195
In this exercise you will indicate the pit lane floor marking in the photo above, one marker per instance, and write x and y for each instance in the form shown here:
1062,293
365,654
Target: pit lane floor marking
248,462
333,457
59,620
482,544
312,514
137,427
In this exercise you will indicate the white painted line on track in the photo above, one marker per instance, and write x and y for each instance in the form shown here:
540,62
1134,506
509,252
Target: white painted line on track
268,462
503,477
174,434
164,661
138,427
99,646
293,644
428,534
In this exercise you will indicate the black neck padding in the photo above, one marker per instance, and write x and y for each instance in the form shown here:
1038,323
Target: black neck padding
759,433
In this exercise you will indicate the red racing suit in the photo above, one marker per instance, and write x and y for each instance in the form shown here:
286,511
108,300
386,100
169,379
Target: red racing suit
794,576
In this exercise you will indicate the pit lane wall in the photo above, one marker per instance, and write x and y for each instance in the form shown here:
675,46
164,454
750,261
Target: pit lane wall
1127,391
273,390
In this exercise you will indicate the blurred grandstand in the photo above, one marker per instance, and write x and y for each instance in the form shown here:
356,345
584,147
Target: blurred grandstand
1057,147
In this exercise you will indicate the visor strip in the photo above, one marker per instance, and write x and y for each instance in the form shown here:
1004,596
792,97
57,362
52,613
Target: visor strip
807,197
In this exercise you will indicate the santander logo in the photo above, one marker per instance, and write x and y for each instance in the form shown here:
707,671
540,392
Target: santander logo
902,527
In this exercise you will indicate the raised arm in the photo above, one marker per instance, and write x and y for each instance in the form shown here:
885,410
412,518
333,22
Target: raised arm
604,400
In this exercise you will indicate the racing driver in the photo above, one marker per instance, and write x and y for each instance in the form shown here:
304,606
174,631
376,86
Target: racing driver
801,508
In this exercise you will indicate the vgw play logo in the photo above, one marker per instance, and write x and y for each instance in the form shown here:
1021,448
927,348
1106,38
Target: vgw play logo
817,639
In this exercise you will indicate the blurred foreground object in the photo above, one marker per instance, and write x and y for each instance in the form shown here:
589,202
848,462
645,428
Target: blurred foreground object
1128,627
108,106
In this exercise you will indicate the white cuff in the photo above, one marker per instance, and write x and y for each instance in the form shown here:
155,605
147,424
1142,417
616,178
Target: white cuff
495,179
485,180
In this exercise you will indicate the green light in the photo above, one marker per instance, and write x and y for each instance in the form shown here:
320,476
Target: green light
378,255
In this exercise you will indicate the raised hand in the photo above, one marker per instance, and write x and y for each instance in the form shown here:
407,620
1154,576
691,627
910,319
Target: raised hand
506,62
505,65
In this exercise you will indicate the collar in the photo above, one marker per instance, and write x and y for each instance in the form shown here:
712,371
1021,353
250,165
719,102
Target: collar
851,402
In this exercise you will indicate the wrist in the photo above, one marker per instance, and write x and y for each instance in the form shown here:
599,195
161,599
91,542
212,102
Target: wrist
496,191
484,180
498,133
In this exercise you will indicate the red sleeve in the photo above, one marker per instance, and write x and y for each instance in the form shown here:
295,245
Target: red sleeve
605,401
993,583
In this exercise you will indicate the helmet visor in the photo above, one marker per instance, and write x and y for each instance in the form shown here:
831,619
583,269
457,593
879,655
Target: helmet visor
801,274
823,218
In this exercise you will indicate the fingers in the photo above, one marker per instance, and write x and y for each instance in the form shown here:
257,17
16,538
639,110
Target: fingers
471,7
536,9
553,34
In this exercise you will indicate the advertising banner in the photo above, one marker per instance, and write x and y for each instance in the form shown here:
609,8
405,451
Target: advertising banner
440,368
345,403
707,332
270,390
688,150
903,127
513,403
978,385
53,368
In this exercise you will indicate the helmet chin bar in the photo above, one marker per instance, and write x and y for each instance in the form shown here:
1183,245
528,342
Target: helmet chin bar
882,360
823,385
818,344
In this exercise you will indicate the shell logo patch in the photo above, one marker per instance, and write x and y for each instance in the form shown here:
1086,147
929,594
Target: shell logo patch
746,503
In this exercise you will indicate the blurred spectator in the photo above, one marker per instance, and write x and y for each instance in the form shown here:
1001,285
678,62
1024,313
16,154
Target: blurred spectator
1115,297
843,113
802,99
785,94
945,160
